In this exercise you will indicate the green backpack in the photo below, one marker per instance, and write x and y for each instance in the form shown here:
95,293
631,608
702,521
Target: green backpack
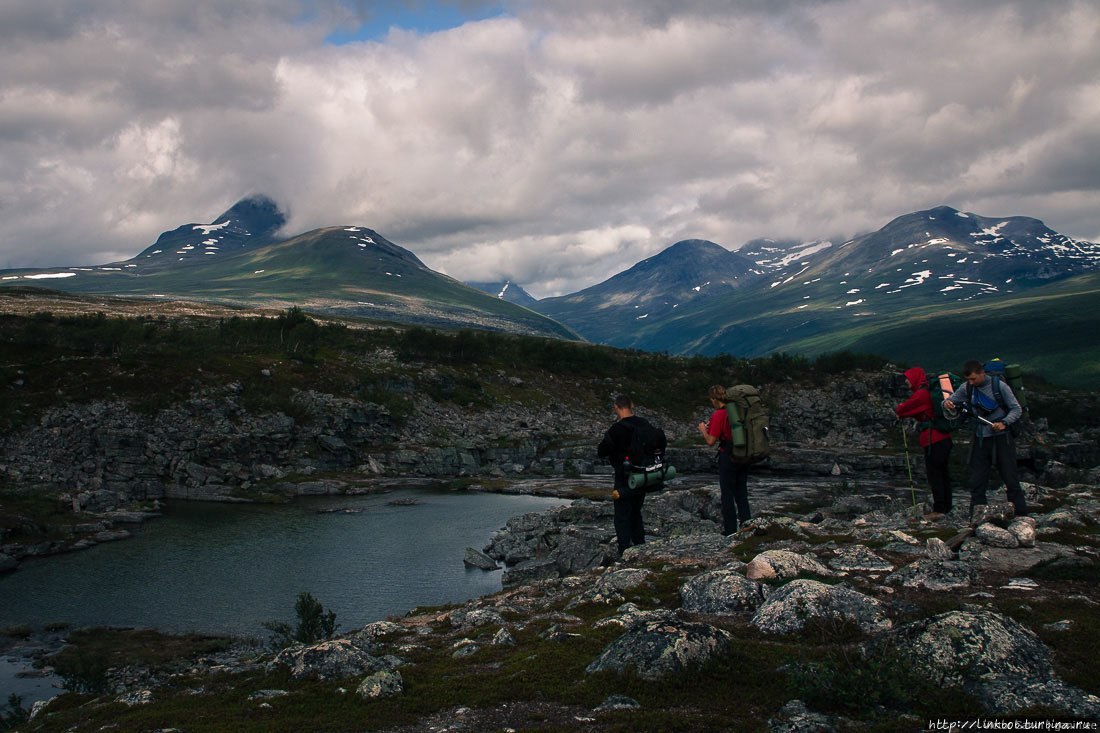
748,424
940,390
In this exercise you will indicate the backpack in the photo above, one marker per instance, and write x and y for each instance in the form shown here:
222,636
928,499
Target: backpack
940,391
1012,374
748,424
644,461
647,446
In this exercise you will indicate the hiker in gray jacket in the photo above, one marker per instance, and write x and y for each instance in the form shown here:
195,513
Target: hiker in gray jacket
996,413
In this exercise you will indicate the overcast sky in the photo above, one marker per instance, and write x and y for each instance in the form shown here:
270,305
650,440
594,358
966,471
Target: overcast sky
554,143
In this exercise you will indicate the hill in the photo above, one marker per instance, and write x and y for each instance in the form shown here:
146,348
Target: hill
346,271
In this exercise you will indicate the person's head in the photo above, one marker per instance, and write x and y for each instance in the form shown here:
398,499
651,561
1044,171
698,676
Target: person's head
623,405
974,372
717,394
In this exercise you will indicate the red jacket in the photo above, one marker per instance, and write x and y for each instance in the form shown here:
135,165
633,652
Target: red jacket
919,406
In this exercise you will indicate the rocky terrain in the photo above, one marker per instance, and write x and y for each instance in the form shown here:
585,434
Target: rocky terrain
857,615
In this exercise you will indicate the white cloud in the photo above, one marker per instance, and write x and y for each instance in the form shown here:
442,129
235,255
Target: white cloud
554,145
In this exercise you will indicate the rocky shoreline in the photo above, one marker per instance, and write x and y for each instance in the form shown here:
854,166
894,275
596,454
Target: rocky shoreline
963,604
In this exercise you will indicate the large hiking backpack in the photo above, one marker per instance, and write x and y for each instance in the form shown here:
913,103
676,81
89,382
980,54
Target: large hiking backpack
1013,375
645,458
748,424
940,390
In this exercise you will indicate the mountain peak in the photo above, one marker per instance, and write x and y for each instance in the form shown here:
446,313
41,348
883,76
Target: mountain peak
258,215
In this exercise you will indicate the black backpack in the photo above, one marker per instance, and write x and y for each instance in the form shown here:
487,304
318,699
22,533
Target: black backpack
646,451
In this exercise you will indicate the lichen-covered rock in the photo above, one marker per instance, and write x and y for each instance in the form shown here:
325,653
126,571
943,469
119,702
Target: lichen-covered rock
999,514
1023,529
659,649
933,575
991,656
790,607
328,660
783,564
686,549
795,717
381,684
629,614
476,617
609,588
503,638
858,558
721,592
618,702
937,549
995,536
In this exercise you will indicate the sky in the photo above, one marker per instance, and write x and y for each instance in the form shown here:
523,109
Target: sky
552,143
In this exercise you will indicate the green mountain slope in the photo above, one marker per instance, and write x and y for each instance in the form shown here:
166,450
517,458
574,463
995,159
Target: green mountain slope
1050,331
347,271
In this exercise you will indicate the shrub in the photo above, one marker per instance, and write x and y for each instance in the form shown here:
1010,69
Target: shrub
314,624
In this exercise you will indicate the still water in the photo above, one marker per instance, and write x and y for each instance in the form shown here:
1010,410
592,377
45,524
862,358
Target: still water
226,568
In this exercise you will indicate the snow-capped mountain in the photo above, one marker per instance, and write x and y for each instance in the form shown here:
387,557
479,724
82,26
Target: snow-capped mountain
791,291
506,290
341,270
250,223
689,271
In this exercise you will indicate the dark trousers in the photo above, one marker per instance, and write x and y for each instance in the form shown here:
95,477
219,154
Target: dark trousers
733,479
629,529
936,457
999,450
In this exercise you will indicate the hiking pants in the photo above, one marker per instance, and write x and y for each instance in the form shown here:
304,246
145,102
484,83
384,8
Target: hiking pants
997,449
733,479
936,457
629,529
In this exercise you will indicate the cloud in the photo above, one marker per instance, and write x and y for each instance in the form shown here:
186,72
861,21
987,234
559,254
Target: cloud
554,144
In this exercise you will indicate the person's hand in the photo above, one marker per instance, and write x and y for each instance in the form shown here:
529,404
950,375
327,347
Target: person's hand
949,406
999,426
702,427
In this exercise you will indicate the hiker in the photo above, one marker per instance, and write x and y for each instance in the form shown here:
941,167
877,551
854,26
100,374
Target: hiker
733,478
936,444
995,410
629,528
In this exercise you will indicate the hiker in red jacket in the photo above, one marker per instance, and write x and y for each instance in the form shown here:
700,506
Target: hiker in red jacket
935,443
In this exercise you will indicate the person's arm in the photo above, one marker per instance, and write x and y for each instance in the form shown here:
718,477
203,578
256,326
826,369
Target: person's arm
915,406
957,397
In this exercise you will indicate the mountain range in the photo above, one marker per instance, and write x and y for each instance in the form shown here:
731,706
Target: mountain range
347,271
939,284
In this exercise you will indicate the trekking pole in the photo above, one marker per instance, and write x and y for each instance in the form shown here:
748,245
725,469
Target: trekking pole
908,465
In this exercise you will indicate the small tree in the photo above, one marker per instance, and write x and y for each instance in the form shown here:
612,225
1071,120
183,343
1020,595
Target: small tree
314,623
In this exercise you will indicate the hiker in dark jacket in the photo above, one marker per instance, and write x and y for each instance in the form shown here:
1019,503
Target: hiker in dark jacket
994,409
629,528
733,478
936,444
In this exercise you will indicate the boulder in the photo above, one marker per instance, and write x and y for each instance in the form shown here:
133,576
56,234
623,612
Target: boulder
991,656
937,549
783,564
1023,529
995,536
790,607
658,649
721,592
933,575
328,660
384,683
858,558
529,571
583,548
478,559
610,587
794,717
